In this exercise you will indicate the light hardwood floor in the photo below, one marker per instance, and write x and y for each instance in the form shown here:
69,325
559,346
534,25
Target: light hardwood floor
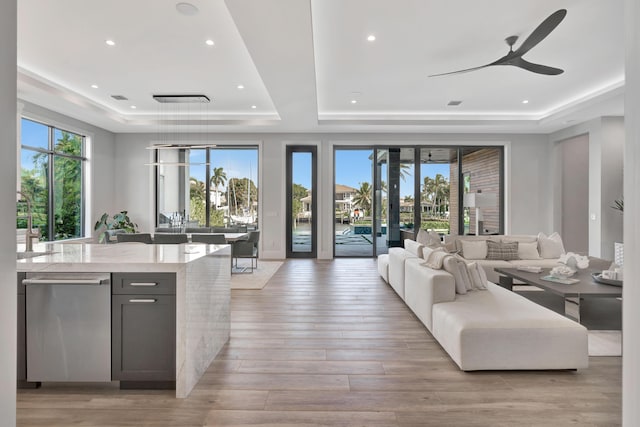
328,343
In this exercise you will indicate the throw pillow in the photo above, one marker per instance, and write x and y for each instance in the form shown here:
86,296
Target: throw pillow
436,258
422,237
528,250
550,246
474,249
464,275
474,275
483,277
450,264
450,247
502,251
429,238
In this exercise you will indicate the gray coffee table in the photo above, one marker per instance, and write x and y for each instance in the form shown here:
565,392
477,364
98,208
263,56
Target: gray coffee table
585,288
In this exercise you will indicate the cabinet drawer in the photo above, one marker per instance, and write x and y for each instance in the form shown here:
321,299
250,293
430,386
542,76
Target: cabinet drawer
143,283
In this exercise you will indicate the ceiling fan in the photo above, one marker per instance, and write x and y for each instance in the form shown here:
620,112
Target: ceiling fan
515,57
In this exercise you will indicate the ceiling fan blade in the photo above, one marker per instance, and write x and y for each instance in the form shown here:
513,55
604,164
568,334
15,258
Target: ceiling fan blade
466,70
536,68
543,30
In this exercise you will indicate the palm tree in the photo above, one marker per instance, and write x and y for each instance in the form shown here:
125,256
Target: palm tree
405,170
196,189
428,191
440,187
363,197
218,178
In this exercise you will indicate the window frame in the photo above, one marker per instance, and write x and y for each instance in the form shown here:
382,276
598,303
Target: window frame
51,154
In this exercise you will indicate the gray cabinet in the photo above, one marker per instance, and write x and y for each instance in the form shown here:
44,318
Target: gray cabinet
143,330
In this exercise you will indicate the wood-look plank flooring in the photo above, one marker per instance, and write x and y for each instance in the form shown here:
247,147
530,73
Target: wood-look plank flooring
328,343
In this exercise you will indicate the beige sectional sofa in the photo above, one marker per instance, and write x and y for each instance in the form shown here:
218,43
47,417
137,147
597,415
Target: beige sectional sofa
532,258
490,329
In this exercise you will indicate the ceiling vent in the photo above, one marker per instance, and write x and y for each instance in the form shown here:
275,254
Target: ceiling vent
454,103
119,97
181,99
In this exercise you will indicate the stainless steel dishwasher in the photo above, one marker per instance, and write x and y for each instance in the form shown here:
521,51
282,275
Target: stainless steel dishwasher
68,326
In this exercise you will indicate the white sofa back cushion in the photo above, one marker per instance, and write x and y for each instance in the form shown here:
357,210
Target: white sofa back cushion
474,249
528,250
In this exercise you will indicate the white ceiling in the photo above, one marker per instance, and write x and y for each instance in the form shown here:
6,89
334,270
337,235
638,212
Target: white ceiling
302,62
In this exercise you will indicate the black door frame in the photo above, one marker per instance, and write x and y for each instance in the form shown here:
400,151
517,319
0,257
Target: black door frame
291,149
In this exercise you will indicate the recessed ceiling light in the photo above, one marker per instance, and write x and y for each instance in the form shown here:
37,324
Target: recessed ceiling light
253,107
210,42
186,9
110,42
240,87
526,101
133,107
354,101
371,38
94,86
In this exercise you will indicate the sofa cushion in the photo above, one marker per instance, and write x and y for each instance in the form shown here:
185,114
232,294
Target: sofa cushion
498,329
436,258
550,246
414,248
397,258
502,250
425,287
477,281
455,267
483,276
474,249
383,266
429,238
528,250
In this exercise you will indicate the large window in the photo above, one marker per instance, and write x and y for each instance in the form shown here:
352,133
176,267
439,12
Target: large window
209,186
52,169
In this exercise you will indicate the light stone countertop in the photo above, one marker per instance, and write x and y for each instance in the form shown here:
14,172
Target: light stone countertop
203,282
121,257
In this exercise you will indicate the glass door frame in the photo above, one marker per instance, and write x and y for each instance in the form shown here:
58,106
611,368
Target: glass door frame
291,149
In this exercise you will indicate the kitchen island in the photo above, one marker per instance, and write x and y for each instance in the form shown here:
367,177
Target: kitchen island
202,277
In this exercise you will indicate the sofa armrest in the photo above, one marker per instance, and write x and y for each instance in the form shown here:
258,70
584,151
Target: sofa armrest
425,287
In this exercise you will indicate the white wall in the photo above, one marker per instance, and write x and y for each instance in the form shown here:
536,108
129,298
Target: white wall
526,178
574,184
606,154
101,154
631,294
8,298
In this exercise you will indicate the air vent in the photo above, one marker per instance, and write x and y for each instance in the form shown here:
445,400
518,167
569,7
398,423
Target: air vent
179,99
119,97
454,103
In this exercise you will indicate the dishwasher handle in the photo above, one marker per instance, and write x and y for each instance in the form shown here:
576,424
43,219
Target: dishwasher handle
94,282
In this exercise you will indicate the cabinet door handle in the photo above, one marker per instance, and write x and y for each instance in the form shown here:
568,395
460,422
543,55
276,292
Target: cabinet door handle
143,284
143,300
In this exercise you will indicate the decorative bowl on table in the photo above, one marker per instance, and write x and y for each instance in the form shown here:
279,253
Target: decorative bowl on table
562,272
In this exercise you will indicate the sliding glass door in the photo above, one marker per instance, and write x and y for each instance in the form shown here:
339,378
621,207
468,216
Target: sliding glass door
353,202
385,195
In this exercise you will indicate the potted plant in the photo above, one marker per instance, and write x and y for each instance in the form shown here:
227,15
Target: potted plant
108,225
